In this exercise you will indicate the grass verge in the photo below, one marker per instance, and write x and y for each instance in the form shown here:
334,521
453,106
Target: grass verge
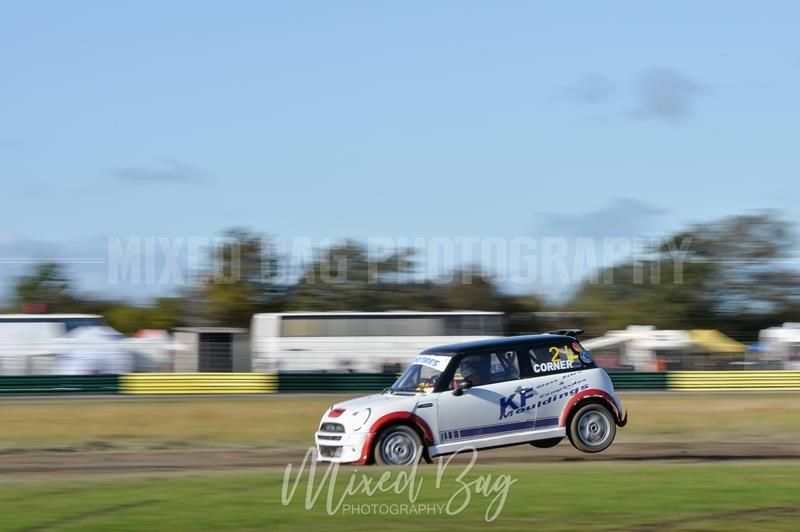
596,496
288,421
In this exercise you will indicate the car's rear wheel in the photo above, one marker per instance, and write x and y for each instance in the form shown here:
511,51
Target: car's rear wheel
592,429
546,444
398,445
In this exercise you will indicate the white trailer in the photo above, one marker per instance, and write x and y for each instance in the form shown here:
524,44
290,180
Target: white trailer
360,341
28,342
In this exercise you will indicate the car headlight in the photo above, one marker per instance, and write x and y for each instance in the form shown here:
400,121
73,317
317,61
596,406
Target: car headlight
331,427
360,418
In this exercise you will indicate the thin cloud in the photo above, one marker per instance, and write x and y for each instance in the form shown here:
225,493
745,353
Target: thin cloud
666,94
169,171
6,237
623,217
591,89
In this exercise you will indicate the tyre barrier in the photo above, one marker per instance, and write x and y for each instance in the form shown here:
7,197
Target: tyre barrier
269,383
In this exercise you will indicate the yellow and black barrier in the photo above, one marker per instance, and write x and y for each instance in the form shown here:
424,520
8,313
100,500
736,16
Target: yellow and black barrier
734,380
198,383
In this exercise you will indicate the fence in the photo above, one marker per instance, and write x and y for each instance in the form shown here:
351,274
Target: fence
268,383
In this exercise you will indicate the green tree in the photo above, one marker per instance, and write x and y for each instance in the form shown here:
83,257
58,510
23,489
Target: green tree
164,313
731,274
47,289
748,257
345,277
239,282
468,289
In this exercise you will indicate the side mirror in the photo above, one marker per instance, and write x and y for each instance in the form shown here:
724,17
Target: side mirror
463,385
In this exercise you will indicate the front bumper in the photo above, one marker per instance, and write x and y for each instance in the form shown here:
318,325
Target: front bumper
339,446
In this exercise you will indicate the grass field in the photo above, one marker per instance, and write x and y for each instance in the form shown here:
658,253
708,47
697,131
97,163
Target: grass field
291,420
678,494
595,496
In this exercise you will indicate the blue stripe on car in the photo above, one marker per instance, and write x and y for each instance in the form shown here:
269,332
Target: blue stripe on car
497,429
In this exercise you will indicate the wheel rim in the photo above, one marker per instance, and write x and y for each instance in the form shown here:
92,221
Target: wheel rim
593,429
398,449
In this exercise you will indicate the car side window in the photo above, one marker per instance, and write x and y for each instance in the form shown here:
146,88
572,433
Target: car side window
556,357
487,368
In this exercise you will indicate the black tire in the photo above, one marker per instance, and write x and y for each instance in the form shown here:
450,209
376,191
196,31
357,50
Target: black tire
546,444
592,429
398,445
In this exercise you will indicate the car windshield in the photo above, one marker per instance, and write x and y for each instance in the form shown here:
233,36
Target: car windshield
422,375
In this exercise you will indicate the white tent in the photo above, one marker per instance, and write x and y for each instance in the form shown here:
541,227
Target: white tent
639,343
92,350
781,345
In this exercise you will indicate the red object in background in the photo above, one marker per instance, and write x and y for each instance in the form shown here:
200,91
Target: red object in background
152,333
34,308
606,361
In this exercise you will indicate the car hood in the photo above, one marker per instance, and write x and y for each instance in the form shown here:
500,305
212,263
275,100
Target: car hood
386,400
379,405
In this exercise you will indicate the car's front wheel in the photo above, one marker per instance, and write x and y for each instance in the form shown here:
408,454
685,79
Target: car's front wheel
398,445
592,429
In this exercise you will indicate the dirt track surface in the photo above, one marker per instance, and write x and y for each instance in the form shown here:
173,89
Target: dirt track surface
192,460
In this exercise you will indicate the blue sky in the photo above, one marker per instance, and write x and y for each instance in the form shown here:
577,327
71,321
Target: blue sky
414,119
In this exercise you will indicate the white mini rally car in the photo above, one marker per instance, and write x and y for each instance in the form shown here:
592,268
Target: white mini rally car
487,393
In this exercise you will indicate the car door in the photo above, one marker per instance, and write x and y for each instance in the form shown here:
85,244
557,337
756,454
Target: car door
497,407
557,378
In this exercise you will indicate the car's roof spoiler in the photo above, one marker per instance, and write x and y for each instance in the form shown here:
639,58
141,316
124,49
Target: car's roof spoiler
567,332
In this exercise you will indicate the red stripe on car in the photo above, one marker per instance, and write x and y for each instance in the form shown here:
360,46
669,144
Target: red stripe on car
592,392
389,418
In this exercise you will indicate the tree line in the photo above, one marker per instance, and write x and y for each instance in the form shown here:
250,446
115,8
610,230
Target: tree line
737,274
